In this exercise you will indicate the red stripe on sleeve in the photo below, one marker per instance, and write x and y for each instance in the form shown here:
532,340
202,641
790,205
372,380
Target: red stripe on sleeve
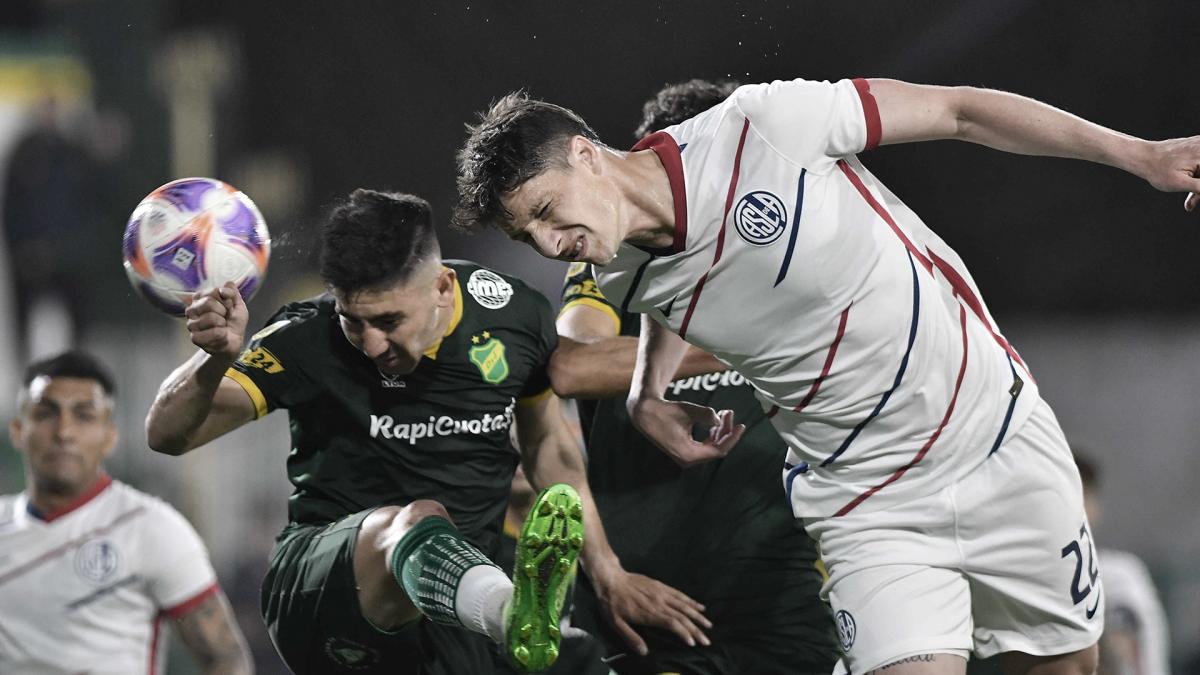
192,602
870,111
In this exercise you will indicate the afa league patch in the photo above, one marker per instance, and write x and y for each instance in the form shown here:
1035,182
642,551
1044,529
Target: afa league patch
489,289
97,561
760,218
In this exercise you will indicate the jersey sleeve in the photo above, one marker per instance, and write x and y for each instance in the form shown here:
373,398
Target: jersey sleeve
273,369
579,288
546,340
810,121
175,563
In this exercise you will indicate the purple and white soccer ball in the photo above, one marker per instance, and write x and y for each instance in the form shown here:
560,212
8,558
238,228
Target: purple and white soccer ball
192,235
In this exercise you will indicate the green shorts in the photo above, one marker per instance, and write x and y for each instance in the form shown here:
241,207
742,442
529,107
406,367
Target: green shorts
310,606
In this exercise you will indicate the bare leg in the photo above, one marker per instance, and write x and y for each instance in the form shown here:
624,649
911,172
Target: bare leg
925,664
1082,662
384,602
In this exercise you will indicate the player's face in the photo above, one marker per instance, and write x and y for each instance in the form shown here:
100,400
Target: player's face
394,325
571,213
65,430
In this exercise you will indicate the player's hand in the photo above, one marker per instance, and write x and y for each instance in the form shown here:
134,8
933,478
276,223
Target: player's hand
217,320
1175,167
668,424
629,599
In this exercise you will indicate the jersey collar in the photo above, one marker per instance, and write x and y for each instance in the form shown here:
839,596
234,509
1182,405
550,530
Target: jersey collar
664,145
432,352
91,493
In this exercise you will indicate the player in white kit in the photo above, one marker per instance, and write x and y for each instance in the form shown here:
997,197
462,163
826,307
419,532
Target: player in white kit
90,567
921,455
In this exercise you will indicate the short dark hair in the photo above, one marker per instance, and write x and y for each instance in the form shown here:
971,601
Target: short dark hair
681,101
516,139
376,238
71,364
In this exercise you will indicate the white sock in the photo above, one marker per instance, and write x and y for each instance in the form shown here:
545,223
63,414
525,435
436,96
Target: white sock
479,602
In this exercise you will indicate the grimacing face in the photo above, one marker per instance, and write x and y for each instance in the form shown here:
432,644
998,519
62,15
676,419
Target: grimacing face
572,213
394,325
65,431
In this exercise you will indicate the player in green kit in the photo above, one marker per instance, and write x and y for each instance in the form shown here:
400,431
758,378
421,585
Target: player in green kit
721,532
402,383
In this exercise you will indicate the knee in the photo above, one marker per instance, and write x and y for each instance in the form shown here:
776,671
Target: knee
394,521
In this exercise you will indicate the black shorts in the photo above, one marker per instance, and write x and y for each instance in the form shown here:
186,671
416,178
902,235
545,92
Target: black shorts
310,606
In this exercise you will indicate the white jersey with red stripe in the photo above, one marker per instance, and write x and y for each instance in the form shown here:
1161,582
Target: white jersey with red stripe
861,330
86,589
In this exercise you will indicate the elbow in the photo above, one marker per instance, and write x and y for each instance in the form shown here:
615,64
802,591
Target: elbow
566,377
161,442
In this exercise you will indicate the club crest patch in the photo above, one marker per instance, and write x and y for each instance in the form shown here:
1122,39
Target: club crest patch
760,218
97,561
489,289
845,628
488,355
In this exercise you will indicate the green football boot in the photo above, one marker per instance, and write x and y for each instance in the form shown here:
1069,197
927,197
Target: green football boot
547,549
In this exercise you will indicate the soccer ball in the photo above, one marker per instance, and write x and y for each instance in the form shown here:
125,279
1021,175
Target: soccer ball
192,235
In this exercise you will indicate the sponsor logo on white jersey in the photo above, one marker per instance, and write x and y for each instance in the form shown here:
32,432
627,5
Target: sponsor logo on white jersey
385,426
489,289
709,382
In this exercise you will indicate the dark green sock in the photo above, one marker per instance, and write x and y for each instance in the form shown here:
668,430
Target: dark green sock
429,561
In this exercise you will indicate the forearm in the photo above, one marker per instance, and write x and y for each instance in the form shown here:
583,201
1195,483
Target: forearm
184,402
659,354
1000,120
604,367
211,635
1022,125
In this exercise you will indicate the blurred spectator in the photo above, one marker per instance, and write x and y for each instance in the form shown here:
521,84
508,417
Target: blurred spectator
1135,638
51,201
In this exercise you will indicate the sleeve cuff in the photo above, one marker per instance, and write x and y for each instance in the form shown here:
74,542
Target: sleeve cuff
535,398
176,611
252,390
594,304
870,112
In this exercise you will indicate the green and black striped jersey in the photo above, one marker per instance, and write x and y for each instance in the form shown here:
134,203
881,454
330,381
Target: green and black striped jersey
722,531
362,439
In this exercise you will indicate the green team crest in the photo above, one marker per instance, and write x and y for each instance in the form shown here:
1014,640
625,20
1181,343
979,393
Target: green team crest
487,353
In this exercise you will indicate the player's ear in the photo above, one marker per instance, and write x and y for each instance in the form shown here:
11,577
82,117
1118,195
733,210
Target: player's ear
584,153
14,433
445,286
110,440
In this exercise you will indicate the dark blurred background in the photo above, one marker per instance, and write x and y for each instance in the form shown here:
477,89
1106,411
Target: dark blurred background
1091,272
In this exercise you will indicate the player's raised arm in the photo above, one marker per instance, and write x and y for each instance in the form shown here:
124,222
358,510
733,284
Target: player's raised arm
197,403
210,634
1013,123
669,423
593,361
551,455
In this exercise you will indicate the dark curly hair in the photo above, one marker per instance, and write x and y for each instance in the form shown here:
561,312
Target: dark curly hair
516,139
376,238
675,103
71,364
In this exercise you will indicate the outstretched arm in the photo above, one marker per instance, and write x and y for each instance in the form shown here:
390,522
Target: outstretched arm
197,403
551,455
669,423
593,361
212,636
1004,121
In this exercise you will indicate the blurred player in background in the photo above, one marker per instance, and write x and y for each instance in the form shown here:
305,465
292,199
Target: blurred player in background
1136,636
920,454
721,532
90,567
402,384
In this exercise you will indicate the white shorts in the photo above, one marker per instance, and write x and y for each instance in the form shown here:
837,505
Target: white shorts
1002,560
